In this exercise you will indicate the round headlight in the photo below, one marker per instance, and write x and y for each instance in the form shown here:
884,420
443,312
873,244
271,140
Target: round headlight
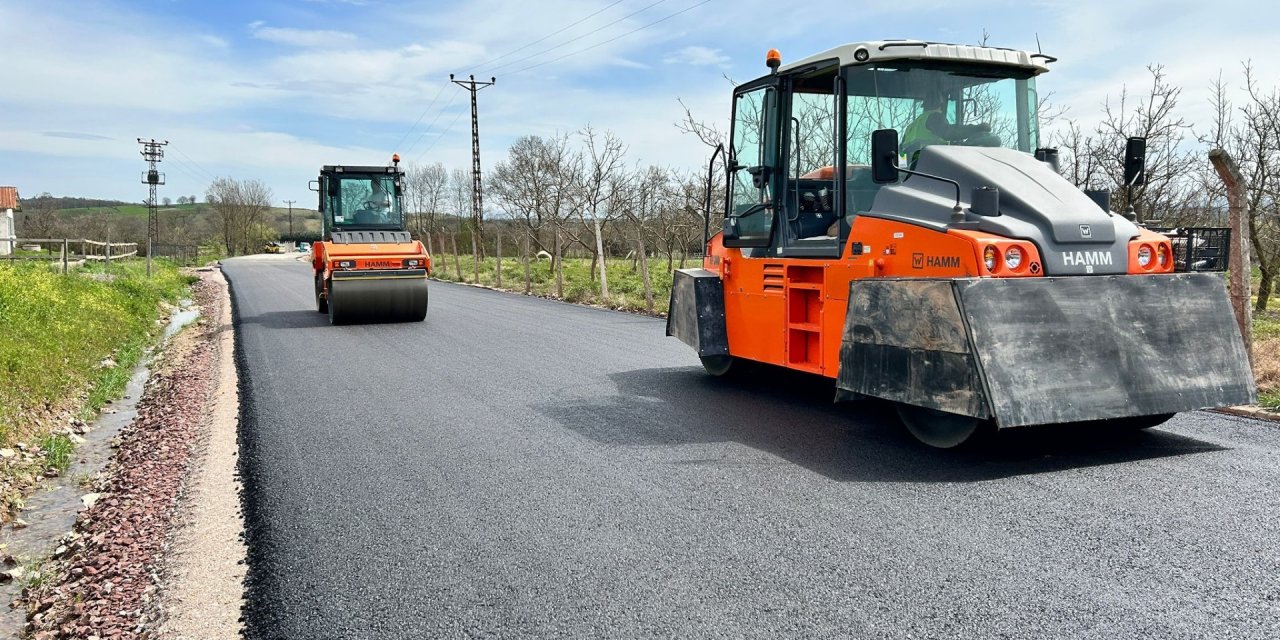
990,256
861,55
1162,254
1144,256
1013,258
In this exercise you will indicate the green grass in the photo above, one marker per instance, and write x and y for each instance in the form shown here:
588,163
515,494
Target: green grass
626,287
57,450
1269,400
57,329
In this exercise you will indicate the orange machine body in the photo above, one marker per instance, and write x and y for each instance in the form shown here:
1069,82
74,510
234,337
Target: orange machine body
790,312
328,257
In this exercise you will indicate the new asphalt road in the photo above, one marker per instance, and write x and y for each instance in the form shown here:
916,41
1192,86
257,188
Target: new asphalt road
517,467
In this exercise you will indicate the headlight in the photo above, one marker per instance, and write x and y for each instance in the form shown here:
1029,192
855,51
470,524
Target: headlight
990,256
1144,256
1013,258
346,264
412,263
1162,254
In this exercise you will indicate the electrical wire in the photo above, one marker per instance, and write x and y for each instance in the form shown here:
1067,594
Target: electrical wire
452,99
577,38
442,135
553,33
418,121
604,42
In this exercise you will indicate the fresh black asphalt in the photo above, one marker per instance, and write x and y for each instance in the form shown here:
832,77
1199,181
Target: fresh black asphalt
516,467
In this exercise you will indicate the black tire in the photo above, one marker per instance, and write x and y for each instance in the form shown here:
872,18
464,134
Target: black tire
322,303
1138,423
940,429
719,366
333,316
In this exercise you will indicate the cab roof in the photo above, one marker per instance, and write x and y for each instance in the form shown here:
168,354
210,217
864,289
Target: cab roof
885,50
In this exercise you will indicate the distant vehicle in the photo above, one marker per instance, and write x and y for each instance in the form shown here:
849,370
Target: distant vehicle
273,247
304,247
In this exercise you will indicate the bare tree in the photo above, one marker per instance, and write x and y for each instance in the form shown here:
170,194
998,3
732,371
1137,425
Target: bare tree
460,199
604,161
425,190
1251,135
241,207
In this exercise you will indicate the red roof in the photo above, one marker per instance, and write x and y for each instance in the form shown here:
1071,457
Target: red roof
8,197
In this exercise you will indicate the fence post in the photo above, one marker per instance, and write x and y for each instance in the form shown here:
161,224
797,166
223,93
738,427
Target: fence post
1238,257
66,246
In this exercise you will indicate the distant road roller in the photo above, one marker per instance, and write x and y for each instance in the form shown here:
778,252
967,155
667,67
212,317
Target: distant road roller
367,268
894,224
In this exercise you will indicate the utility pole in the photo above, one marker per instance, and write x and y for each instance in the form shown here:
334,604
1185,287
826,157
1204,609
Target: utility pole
153,153
477,194
290,203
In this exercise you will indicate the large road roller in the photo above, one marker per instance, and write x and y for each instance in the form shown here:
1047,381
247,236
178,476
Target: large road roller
892,222
367,267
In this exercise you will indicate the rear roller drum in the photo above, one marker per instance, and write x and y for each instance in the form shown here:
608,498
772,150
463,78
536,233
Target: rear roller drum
938,428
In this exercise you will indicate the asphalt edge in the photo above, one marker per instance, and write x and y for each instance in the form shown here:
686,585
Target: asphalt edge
254,618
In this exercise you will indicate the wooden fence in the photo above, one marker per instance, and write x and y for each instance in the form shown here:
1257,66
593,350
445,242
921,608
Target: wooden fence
63,249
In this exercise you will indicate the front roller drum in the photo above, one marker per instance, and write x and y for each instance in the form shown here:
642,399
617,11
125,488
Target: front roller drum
370,300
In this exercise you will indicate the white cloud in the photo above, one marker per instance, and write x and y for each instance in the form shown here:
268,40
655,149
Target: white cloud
698,56
310,38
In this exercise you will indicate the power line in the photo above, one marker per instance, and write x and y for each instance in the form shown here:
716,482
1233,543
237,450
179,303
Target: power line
419,120
577,38
442,135
194,163
452,99
553,33
604,42
409,131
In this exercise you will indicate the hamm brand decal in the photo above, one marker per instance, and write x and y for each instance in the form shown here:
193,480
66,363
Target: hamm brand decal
1086,259
920,261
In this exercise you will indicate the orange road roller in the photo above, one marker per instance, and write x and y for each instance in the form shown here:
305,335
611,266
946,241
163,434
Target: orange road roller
367,267
893,223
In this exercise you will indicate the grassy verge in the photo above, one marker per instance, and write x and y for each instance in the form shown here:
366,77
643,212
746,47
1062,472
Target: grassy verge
1266,357
626,286
58,330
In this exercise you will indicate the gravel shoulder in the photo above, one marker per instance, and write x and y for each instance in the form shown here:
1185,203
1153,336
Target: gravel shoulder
204,582
112,578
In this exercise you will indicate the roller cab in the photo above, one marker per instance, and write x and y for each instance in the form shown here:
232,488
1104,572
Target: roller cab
367,268
892,223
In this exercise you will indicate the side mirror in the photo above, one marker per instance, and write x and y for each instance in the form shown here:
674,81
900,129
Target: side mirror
884,156
730,228
314,185
1135,162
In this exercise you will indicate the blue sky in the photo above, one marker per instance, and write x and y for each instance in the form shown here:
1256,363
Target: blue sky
272,89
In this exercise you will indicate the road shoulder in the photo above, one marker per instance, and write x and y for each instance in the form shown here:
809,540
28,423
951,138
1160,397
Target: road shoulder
204,582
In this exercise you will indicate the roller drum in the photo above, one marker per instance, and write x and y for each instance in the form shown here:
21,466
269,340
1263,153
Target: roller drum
370,300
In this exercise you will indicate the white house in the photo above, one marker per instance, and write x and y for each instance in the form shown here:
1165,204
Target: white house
8,204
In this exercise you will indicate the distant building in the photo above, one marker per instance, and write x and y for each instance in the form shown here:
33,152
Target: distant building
9,203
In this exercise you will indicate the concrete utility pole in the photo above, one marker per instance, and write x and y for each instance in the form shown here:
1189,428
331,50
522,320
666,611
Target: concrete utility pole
153,153
1238,257
477,194
290,203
